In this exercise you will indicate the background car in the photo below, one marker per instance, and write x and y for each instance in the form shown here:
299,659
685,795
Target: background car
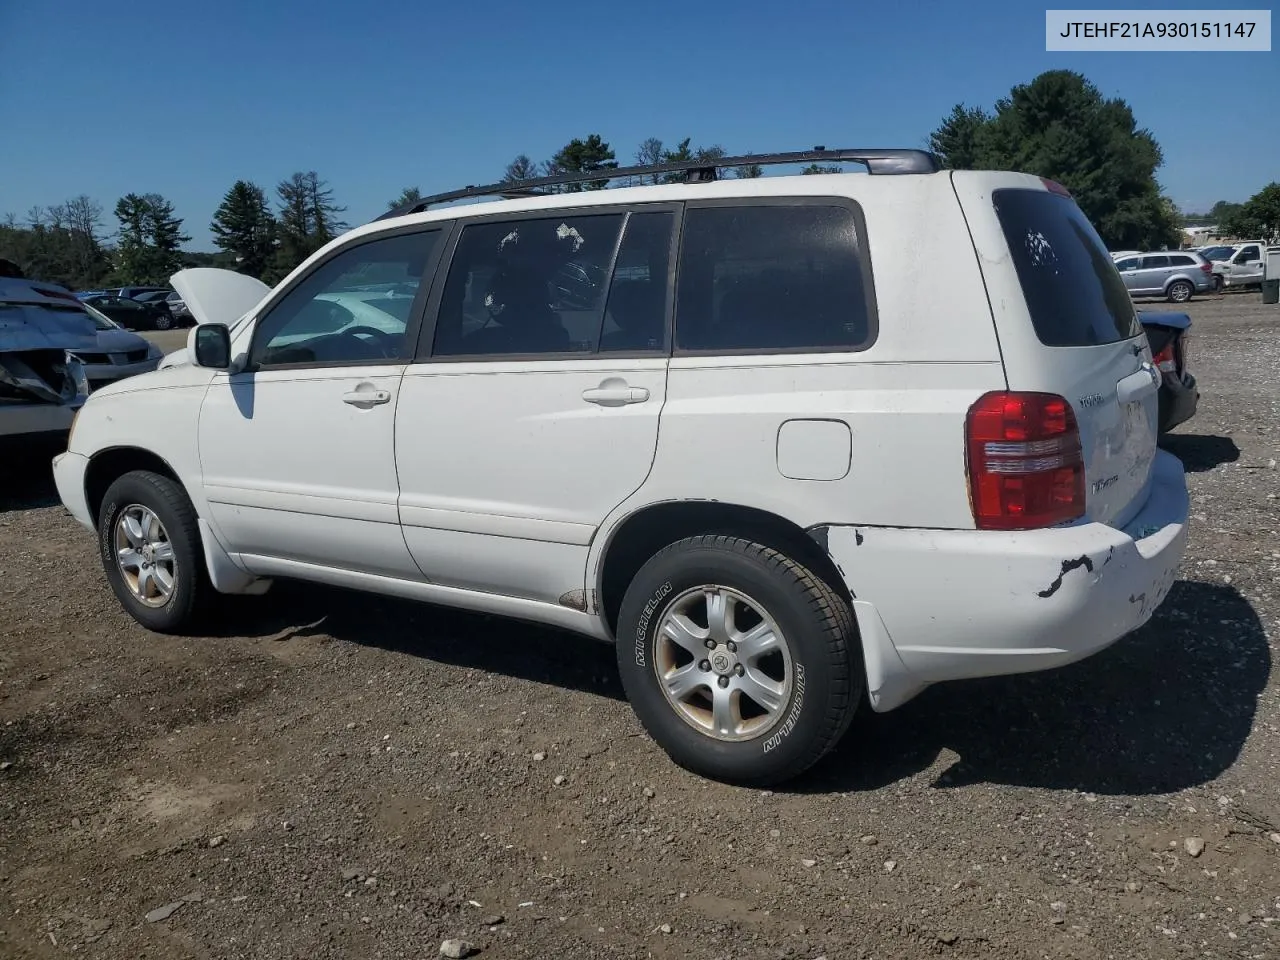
179,310
1177,275
1169,336
42,383
132,314
135,293
119,353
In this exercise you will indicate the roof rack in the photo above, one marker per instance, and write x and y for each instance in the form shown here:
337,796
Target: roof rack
703,170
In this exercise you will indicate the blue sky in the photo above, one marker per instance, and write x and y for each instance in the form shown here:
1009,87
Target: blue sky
183,98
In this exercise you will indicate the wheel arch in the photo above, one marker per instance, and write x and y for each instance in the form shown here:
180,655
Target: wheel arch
638,535
110,463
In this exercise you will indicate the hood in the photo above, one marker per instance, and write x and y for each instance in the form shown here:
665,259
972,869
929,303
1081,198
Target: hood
120,341
214,295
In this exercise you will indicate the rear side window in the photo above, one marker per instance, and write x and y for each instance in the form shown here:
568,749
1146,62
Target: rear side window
772,277
1154,263
1183,261
1073,292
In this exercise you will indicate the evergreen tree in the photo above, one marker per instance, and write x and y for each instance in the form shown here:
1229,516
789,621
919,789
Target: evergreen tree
244,228
584,156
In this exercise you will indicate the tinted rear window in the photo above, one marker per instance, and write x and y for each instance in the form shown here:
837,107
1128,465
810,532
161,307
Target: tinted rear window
1074,294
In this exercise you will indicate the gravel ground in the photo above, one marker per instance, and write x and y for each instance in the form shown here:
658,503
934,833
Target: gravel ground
332,775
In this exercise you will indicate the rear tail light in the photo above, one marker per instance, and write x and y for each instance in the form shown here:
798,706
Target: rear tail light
1207,267
1165,359
1025,465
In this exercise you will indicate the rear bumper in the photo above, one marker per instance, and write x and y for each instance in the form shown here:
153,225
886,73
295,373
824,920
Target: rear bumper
1179,397
28,419
937,605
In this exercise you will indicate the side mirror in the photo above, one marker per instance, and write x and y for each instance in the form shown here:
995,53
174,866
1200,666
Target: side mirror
209,345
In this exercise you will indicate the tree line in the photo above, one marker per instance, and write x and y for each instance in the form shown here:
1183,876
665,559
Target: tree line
1057,126
68,243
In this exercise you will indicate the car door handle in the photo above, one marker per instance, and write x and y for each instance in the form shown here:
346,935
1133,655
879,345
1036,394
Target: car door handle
615,396
362,398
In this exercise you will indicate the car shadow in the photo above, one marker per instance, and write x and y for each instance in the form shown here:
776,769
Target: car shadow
1166,708
29,486
1200,453
498,645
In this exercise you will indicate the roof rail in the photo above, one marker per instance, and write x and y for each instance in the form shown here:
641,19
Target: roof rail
889,161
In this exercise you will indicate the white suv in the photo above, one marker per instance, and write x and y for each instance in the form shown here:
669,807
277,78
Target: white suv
770,436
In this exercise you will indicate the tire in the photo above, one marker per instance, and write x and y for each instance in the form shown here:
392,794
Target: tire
1180,291
134,494
163,322
1218,285
816,685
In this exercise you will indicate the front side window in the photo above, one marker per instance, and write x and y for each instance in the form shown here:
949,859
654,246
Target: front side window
353,308
528,287
1124,266
771,277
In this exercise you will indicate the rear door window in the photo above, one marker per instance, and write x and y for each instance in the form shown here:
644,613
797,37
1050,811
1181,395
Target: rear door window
765,278
1155,263
1072,289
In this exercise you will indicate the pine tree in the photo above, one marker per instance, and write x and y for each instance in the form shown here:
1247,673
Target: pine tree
308,220
244,228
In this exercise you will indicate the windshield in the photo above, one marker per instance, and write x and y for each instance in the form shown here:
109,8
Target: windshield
100,320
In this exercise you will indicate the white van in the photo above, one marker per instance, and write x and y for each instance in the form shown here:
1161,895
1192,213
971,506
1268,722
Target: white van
771,437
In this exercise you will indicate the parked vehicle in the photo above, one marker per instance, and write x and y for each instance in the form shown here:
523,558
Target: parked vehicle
132,314
1216,253
178,309
118,352
1169,335
135,293
1175,275
42,385
1246,266
771,462
1121,254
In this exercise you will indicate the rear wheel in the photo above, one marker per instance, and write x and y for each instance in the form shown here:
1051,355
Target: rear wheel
1218,283
151,552
1180,291
737,659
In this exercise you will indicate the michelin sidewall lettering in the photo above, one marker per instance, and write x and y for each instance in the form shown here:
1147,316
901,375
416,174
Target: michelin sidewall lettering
793,715
642,625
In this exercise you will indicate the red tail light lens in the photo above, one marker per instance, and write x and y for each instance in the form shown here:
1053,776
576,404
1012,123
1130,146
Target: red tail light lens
1207,267
1165,359
1026,468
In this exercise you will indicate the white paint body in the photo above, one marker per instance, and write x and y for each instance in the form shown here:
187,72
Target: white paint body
495,487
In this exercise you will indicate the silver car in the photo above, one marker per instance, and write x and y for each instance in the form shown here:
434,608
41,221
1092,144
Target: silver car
1174,274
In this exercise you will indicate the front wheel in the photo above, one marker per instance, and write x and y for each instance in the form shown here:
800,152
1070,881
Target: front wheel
1218,283
151,552
163,322
1180,291
738,660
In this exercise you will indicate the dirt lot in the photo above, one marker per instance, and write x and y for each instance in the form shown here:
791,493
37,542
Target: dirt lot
331,775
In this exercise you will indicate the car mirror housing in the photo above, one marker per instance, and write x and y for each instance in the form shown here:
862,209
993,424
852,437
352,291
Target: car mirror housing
209,345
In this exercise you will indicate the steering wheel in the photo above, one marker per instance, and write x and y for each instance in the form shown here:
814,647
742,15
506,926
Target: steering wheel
387,343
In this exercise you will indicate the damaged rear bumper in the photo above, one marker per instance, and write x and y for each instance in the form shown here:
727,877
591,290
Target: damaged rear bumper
937,605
